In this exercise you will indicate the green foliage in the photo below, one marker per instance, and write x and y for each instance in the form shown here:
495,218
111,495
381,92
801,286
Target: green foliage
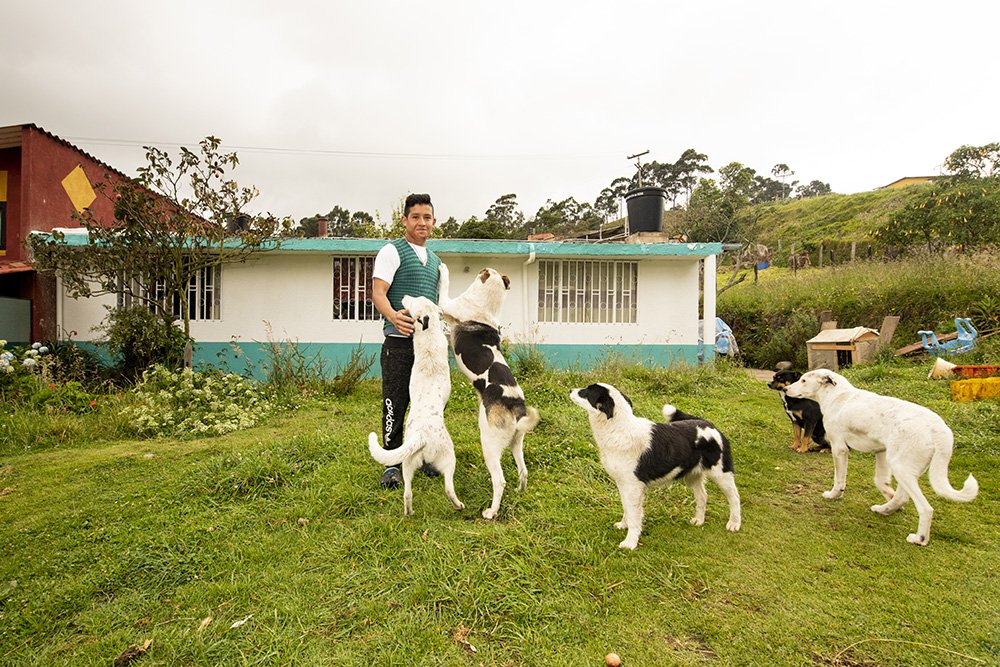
773,319
22,371
959,212
289,369
139,339
526,360
71,363
185,404
68,397
350,375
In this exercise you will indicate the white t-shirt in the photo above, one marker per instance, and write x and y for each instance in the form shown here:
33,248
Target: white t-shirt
387,261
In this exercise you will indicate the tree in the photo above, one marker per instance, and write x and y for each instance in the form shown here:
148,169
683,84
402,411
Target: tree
474,228
716,210
180,216
974,161
813,189
505,214
962,214
686,170
449,228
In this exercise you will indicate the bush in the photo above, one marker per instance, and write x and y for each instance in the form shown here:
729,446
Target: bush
188,404
68,397
22,371
141,339
773,318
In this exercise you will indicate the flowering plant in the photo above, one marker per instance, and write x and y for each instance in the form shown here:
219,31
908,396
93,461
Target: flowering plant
22,369
188,404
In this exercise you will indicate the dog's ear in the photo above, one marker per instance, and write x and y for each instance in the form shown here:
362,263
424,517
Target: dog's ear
829,380
506,281
425,322
484,275
606,405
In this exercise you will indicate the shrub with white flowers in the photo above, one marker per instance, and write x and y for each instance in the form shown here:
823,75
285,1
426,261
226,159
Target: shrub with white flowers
186,404
19,364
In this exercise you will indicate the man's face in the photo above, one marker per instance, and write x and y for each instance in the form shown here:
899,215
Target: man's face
419,223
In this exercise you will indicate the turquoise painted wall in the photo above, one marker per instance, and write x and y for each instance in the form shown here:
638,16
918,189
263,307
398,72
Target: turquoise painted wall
253,359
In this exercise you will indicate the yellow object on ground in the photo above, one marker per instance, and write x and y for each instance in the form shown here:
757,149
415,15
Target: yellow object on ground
970,390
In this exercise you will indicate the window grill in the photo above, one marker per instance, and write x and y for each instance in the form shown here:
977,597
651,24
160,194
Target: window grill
352,288
587,291
204,293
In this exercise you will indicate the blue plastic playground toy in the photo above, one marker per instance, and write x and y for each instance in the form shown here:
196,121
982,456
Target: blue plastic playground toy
965,341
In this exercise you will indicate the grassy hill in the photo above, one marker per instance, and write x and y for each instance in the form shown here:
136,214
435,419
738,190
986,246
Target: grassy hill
831,218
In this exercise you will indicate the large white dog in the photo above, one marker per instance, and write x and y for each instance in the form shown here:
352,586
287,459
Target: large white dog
504,418
906,439
425,437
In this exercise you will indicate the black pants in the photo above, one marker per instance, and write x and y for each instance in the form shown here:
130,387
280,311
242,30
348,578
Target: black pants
397,363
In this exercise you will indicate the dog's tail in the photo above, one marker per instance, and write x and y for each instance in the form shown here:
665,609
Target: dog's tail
528,422
390,457
938,475
672,414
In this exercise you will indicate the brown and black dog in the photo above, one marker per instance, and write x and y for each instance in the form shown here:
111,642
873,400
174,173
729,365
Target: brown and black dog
804,413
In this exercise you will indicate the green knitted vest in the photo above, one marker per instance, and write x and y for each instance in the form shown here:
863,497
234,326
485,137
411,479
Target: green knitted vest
412,278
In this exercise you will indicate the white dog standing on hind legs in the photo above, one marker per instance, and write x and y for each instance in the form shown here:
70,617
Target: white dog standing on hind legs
425,437
504,418
907,440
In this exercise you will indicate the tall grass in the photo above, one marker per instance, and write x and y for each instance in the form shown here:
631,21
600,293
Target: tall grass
773,318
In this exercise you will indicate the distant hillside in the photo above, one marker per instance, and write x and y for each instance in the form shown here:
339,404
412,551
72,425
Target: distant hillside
831,220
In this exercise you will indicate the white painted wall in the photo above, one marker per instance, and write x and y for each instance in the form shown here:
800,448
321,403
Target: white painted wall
293,292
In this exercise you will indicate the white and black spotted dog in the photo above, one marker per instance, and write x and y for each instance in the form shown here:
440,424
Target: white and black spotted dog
638,452
504,418
425,437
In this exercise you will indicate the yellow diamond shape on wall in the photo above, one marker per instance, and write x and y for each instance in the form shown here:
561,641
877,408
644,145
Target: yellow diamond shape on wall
78,187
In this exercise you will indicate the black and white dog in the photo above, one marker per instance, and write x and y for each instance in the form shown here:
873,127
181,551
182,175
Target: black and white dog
637,452
804,413
504,418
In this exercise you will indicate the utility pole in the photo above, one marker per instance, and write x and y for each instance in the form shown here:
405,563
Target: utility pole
638,163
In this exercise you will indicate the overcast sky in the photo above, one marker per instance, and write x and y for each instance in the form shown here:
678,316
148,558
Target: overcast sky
358,103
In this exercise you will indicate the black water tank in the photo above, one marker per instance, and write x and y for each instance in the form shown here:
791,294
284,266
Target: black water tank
645,209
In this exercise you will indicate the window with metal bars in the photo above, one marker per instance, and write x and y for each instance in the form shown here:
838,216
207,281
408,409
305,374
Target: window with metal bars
587,291
204,294
352,288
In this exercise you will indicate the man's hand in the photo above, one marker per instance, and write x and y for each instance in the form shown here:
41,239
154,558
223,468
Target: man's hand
403,322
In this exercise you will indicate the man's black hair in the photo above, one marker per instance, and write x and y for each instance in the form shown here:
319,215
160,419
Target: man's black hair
414,199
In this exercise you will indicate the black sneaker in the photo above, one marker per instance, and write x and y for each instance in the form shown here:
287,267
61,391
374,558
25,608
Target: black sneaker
429,470
391,478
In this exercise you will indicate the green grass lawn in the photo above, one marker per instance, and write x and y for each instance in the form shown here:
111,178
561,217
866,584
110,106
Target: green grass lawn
106,544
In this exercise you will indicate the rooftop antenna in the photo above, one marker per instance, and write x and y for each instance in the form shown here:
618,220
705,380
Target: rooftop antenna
638,163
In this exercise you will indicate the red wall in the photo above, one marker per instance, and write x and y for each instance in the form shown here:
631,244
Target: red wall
37,201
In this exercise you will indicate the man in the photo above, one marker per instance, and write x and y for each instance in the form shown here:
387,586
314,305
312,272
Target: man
403,266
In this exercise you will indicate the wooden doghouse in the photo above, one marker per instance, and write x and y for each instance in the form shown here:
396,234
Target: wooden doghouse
838,348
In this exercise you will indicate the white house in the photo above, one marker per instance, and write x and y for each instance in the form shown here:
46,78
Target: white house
576,302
